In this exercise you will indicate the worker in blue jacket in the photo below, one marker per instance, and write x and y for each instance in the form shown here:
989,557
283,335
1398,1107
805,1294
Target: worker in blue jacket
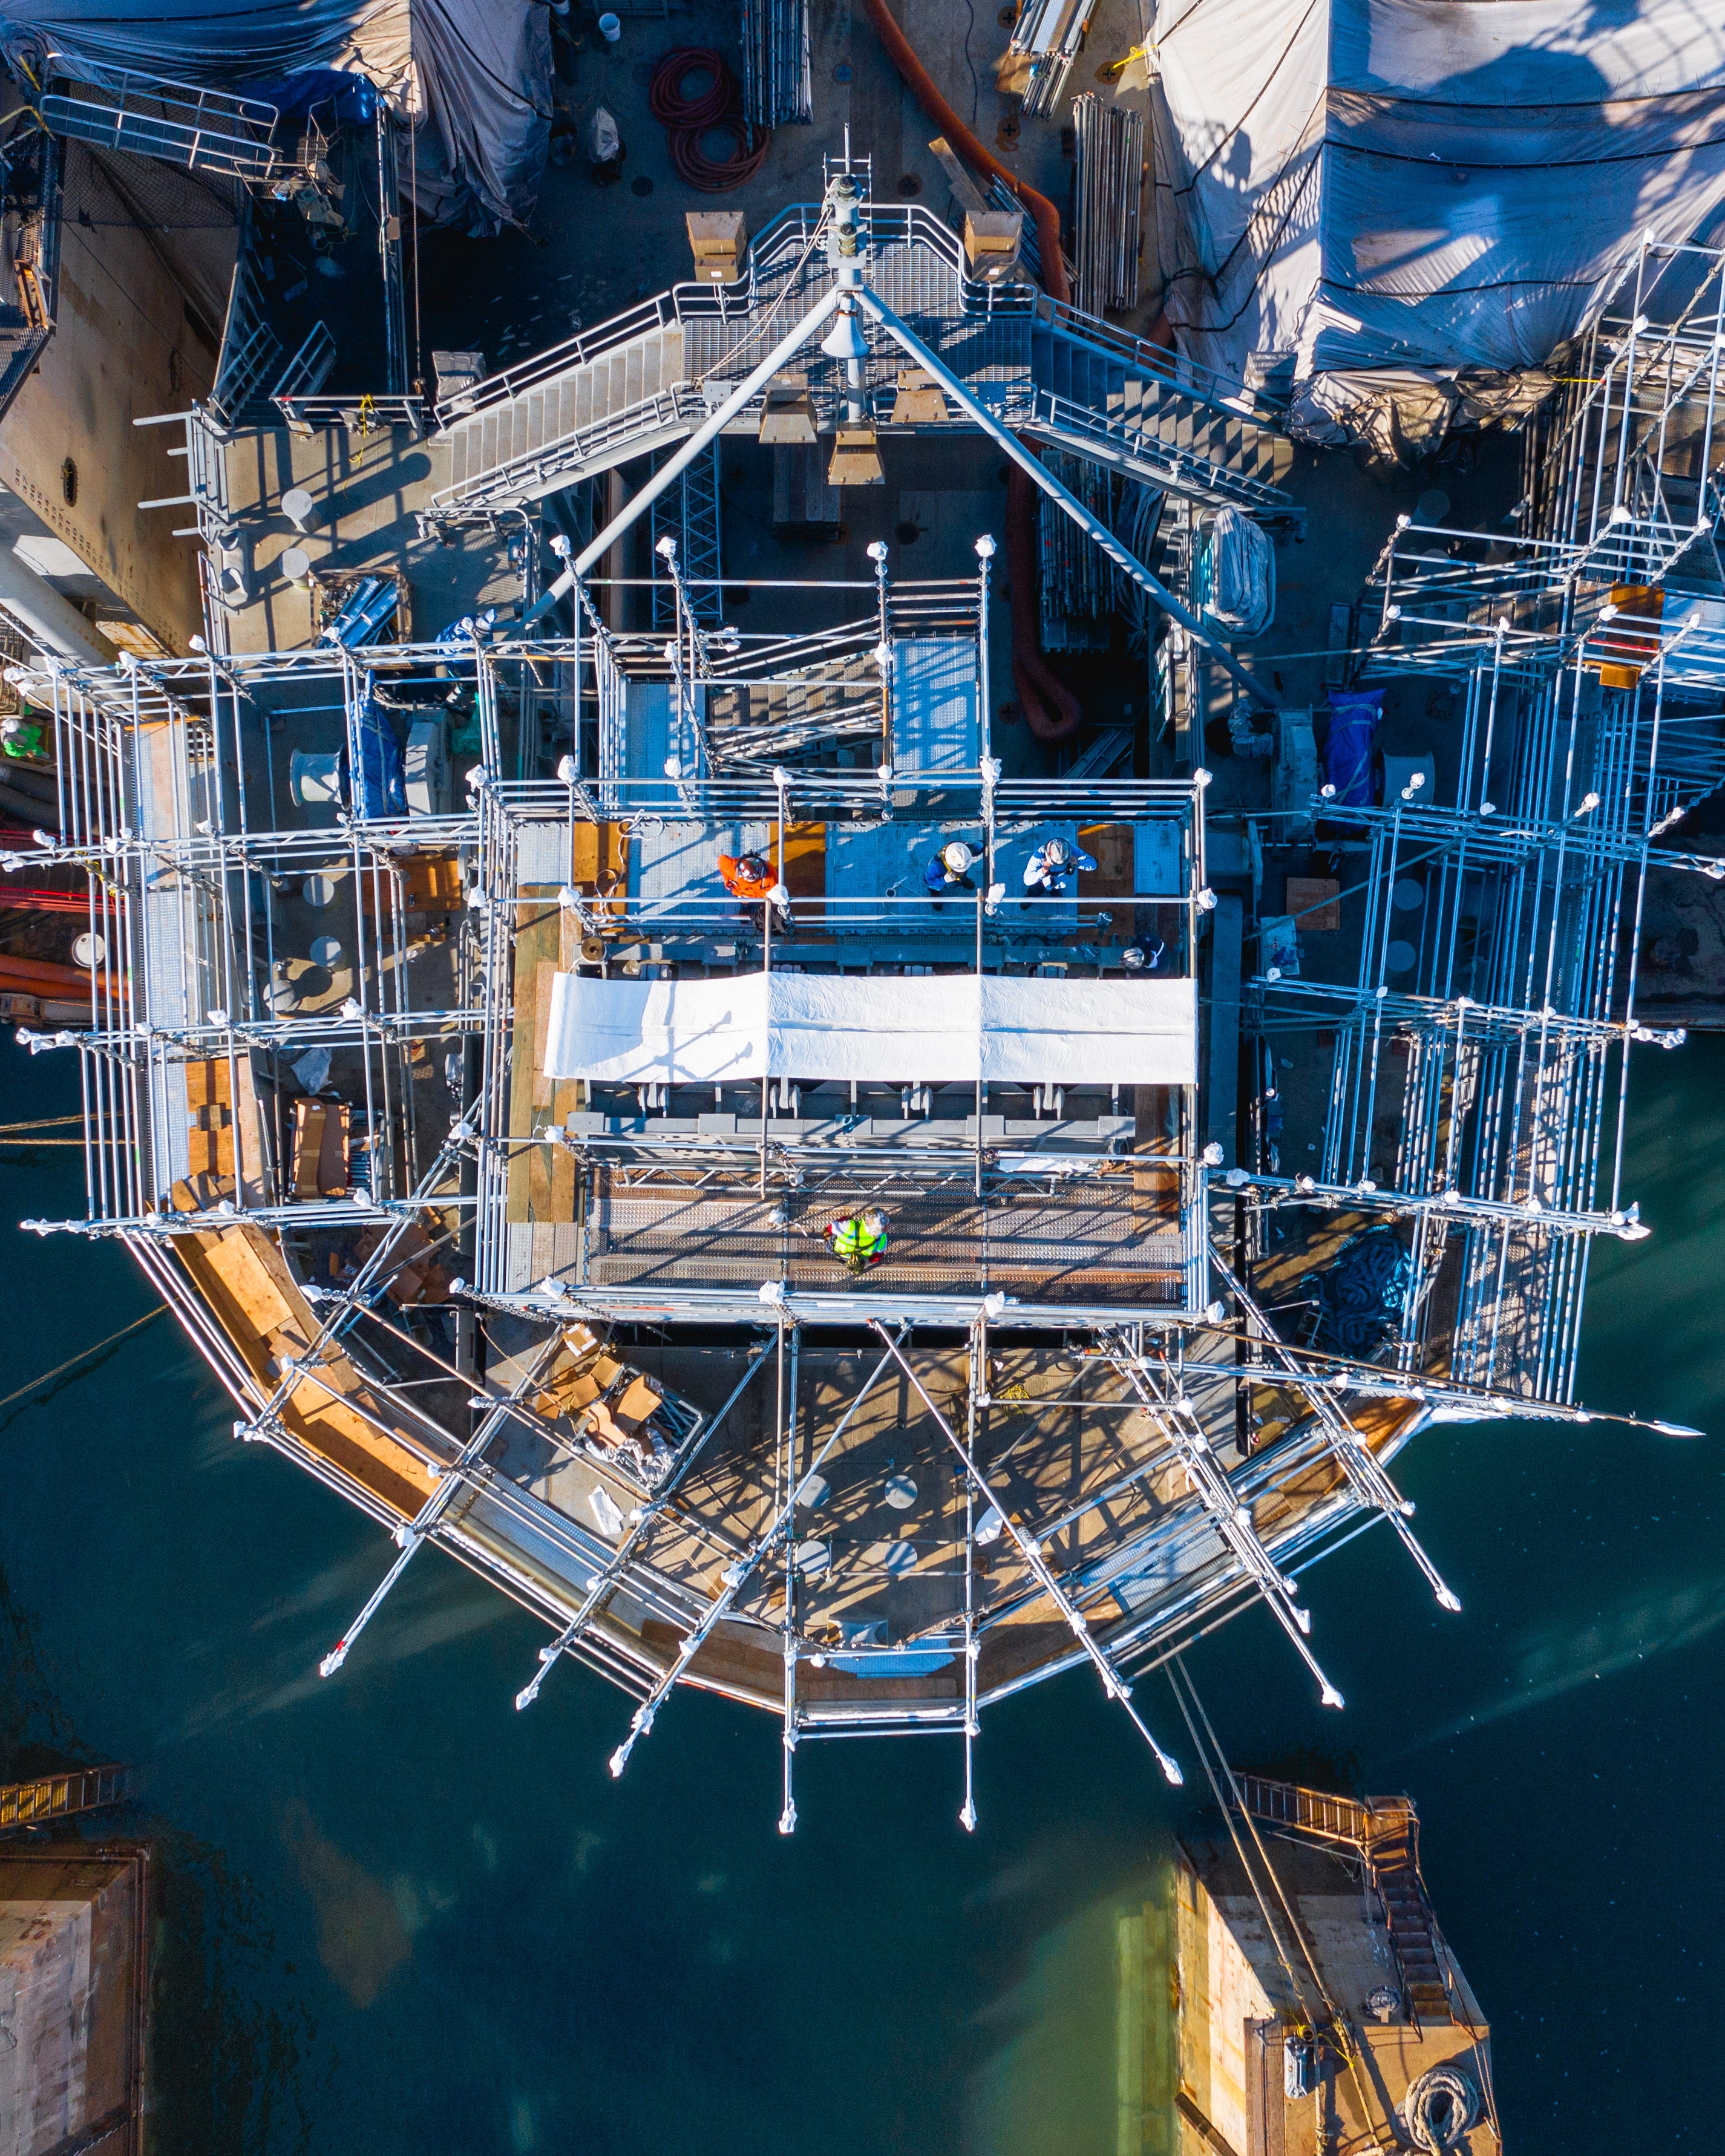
949,870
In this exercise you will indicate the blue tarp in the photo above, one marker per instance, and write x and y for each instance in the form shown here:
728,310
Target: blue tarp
379,787
1355,717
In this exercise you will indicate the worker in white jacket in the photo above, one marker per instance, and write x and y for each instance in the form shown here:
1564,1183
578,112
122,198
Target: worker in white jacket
1052,866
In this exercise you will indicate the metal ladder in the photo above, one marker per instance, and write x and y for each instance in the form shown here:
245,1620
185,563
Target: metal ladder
60,1796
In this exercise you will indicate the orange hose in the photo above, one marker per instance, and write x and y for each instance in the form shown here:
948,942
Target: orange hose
922,86
40,975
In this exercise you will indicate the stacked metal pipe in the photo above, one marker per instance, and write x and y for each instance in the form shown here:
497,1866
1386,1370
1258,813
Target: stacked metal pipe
778,85
1079,585
1109,193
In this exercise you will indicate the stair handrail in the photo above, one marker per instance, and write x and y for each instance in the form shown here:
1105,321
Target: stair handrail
1191,377
576,351
1053,415
786,234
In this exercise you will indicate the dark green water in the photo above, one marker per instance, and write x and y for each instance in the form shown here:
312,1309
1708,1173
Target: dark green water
396,1915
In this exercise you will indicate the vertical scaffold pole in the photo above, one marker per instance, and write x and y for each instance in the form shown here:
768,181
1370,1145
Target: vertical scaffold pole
788,1503
1031,1550
978,1384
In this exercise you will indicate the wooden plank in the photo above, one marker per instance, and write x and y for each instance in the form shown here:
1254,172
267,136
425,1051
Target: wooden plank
538,938
332,1155
431,884
545,971
208,1082
1110,846
598,849
805,872
565,1100
255,1297
310,1117
259,1298
249,1137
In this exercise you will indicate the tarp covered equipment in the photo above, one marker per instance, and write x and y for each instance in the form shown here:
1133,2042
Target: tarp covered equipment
932,1028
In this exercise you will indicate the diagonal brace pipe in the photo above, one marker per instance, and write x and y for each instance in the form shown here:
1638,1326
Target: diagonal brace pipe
1031,1550
1365,1472
614,1572
708,430
1121,555
736,1577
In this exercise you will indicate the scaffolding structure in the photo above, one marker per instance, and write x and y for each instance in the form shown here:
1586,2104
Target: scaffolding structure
1481,1055
1062,1422
174,811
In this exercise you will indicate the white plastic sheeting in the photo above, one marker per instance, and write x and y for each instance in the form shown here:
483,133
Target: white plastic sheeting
933,1029
1236,575
478,71
1351,185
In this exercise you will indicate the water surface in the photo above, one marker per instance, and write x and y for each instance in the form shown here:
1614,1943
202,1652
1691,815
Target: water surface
396,1916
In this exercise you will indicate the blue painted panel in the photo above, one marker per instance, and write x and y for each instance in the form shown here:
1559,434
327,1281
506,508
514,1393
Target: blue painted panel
934,705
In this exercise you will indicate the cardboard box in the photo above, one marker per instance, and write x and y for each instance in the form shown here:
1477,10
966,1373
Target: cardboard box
1315,904
719,241
992,240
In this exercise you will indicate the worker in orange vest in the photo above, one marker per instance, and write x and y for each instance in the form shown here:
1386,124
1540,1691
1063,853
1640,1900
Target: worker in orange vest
753,878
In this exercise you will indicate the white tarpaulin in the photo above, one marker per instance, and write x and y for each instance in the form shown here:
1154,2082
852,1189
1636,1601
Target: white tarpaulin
1348,186
478,71
934,1029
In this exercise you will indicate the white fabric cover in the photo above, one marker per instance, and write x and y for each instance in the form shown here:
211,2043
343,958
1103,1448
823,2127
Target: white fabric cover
934,1029
885,1028
1346,185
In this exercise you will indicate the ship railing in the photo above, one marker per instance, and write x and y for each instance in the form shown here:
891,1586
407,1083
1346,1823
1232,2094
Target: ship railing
188,123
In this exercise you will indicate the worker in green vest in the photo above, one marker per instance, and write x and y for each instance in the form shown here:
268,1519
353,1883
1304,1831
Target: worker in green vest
859,1242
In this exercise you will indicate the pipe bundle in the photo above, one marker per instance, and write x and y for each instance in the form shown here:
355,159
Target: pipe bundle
1079,585
776,85
1109,190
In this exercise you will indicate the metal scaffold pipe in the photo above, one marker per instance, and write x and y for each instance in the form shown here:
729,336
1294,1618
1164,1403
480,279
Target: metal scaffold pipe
674,467
1120,555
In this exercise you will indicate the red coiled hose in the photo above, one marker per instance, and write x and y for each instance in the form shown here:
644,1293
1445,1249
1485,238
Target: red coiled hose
1051,711
714,109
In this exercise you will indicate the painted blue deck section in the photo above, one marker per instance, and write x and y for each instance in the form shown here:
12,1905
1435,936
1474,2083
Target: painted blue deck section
674,868
1014,845
649,742
1157,868
886,862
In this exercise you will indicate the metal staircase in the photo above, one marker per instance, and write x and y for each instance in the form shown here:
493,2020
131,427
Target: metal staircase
1392,1853
647,379
1115,400
1385,1832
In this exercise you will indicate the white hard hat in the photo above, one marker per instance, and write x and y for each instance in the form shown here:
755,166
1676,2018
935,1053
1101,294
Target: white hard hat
957,856
1057,851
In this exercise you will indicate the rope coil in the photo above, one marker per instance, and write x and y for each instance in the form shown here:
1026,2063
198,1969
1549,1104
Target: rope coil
1441,2106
